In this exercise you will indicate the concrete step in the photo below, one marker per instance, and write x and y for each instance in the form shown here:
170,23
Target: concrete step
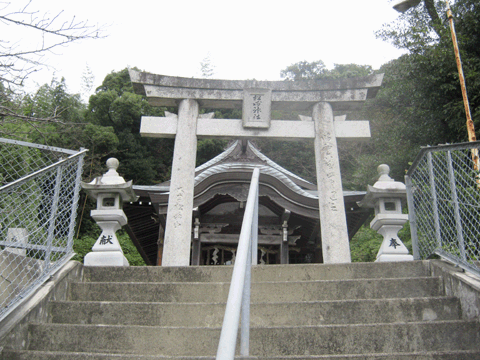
297,272
264,341
262,314
48,355
261,291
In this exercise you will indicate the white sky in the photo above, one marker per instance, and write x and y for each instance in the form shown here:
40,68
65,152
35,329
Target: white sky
244,39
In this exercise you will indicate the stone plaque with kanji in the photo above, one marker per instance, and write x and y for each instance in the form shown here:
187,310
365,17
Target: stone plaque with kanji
257,104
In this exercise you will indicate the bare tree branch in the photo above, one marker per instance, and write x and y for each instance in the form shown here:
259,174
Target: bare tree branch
6,111
19,59
28,35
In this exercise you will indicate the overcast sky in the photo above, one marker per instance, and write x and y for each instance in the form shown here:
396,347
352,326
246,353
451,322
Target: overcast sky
244,39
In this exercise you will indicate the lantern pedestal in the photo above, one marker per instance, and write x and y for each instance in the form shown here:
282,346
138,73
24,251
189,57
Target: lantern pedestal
111,191
392,248
107,250
106,258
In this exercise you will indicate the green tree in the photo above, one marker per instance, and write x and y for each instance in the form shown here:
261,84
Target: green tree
303,70
67,109
365,245
315,70
420,102
115,105
69,130
27,36
429,70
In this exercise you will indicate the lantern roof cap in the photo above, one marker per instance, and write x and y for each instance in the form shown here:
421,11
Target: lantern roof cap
385,187
111,182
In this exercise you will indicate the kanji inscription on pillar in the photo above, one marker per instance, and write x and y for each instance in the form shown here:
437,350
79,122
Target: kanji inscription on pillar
257,104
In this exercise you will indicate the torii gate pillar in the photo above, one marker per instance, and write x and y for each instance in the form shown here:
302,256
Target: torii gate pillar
180,202
335,243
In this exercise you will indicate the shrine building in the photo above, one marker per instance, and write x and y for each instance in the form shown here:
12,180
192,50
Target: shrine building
289,224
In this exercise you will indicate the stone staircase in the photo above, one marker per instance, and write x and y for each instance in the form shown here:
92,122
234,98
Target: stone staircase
353,311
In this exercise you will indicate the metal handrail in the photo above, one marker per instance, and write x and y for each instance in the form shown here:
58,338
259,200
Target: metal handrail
239,293
38,146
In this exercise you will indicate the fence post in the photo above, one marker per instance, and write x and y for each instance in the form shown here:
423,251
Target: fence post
412,217
433,190
458,220
53,215
76,192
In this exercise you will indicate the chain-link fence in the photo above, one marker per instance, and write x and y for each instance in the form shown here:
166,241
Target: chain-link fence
443,192
39,188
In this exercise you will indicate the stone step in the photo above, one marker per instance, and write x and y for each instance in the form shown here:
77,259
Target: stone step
264,341
262,314
294,272
261,292
48,355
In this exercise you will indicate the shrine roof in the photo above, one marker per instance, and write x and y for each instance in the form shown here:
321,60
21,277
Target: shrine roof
244,152
243,156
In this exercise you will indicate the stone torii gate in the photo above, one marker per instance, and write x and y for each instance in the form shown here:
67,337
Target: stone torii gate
256,99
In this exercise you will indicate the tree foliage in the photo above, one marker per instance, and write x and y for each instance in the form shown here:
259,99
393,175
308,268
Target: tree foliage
51,106
304,70
427,78
115,105
28,35
420,102
315,70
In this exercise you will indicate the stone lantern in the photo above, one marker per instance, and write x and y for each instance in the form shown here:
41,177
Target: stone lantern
110,191
386,197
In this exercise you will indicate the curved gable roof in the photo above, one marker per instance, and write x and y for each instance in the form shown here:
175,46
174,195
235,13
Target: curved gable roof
246,153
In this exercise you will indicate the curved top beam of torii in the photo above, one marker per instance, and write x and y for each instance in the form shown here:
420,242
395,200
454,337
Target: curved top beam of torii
342,94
